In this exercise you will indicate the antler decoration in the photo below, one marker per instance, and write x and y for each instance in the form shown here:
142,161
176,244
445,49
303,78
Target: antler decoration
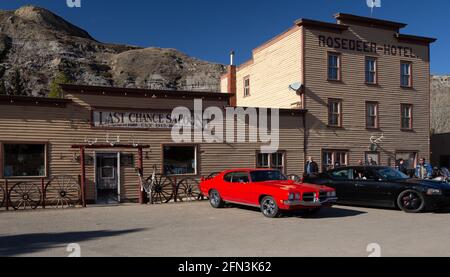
134,142
112,143
90,142
375,140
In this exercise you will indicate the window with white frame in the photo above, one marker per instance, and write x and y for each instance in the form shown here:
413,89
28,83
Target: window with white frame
271,161
372,115
407,116
334,67
335,112
333,159
406,74
247,86
371,70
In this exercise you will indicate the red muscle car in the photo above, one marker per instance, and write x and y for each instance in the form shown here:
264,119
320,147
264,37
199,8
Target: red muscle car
268,190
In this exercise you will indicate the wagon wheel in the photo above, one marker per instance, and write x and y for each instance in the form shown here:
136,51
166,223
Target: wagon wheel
162,189
2,197
25,196
294,178
62,192
188,190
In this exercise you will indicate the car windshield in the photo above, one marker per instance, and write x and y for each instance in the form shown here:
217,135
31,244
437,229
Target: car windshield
267,175
391,174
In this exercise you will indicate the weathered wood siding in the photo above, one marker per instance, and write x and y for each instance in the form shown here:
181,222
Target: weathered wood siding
355,92
63,127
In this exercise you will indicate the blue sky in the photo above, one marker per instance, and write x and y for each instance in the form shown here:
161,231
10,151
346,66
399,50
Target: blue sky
209,29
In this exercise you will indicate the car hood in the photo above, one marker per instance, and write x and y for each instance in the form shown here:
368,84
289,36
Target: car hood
291,185
426,183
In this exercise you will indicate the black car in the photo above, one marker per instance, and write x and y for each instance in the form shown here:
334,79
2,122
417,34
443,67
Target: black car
384,187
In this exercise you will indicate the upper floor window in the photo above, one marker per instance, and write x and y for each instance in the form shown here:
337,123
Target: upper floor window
406,74
247,86
407,116
334,66
335,113
372,115
371,70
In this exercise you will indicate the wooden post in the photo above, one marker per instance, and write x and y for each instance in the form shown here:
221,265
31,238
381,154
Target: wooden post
44,196
83,176
7,194
141,172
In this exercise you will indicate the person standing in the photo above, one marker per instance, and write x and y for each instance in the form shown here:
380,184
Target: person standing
311,168
371,162
402,167
424,170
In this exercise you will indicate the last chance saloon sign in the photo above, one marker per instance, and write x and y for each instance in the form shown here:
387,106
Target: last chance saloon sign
138,120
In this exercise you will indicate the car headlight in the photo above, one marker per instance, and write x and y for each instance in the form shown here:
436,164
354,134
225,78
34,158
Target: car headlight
291,196
434,192
331,194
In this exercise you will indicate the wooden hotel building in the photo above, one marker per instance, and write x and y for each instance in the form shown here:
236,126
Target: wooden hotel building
366,87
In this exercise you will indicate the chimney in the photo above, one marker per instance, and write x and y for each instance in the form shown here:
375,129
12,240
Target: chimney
231,76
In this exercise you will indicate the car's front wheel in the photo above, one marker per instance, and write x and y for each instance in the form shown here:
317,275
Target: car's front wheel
216,200
269,207
411,201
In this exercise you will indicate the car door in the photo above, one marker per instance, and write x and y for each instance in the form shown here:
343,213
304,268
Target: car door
242,187
368,187
388,191
342,181
374,190
236,187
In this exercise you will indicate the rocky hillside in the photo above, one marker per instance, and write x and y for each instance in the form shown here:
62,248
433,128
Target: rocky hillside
40,44
440,104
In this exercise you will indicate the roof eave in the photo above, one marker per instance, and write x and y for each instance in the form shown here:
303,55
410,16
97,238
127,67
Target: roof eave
308,23
372,21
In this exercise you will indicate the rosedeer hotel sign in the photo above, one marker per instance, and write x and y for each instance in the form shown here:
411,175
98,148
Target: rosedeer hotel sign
137,120
366,47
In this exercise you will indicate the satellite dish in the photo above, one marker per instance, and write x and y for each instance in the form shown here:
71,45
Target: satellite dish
297,87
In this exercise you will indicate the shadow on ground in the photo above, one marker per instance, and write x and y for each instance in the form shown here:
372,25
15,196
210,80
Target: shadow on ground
31,243
329,213
324,213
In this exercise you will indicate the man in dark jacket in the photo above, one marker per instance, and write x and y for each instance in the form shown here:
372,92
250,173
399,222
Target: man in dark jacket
311,168
402,167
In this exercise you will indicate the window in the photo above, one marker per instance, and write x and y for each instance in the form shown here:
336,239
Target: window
406,76
267,175
237,177
180,160
24,160
334,158
365,174
409,157
335,113
372,115
247,86
334,67
372,158
343,174
272,161
407,116
371,70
